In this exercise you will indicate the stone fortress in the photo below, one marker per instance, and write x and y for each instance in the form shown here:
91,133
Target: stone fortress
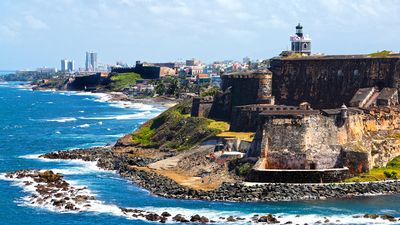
315,118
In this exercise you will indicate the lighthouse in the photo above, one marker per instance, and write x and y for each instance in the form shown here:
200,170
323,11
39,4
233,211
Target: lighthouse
300,43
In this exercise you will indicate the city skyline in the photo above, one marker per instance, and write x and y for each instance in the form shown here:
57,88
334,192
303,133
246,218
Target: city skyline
157,31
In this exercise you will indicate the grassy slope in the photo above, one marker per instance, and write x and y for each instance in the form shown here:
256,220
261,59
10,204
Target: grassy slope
383,53
390,171
175,129
120,81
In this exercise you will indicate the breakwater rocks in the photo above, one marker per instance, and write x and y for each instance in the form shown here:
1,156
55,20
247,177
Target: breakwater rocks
165,187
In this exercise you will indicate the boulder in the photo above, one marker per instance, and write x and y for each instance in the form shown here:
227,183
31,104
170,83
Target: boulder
268,219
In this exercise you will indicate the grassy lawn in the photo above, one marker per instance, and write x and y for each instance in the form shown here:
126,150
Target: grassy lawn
390,171
123,80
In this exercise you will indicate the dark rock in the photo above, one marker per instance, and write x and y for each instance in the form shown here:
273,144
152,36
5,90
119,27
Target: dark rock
371,216
389,217
180,218
165,214
153,217
268,219
231,219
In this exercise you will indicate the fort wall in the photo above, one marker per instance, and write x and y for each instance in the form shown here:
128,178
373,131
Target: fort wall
330,81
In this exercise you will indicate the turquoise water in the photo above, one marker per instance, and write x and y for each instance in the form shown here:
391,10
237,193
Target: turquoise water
35,122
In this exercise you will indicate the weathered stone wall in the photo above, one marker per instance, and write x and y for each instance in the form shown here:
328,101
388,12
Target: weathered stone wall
360,142
328,82
242,88
244,119
201,107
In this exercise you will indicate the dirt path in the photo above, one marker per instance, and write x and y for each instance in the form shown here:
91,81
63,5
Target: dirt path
172,162
169,168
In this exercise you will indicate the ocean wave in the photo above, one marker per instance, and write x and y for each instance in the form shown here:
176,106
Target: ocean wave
140,115
86,125
62,119
30,156
134,105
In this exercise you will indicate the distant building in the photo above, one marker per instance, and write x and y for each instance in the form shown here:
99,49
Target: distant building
71,66
246,60
67,65
64,65
300,43
193,62
46,70
91,61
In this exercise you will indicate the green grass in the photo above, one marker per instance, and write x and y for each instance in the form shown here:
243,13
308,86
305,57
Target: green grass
383,53
120,81
143,137
175,129
390,171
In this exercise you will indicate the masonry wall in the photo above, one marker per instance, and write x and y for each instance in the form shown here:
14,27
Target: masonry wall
201,108
360,142
244,91
240,89
313,141
328,82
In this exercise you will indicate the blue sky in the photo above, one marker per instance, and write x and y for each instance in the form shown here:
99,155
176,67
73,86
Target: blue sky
35,33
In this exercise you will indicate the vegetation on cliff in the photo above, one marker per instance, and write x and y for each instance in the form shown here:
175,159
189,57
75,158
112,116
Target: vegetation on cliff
175,129
383,53
390,171
120,81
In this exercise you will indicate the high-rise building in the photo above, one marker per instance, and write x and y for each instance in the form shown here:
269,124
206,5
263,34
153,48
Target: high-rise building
91,61
300,43
67,65
71,66
64,65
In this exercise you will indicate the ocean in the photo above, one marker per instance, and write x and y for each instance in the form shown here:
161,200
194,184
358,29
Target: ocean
5,72
37,122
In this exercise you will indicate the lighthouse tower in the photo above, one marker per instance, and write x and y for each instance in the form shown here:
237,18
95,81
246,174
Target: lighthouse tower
300,43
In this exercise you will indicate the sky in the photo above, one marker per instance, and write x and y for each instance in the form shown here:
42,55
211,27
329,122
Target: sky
36,33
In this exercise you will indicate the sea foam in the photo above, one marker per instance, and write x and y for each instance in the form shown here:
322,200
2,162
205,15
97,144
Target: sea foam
62,119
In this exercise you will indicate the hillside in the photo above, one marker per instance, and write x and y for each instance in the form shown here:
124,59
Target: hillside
175,129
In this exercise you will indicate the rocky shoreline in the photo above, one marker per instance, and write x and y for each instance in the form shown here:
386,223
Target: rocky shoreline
50,190
132,169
